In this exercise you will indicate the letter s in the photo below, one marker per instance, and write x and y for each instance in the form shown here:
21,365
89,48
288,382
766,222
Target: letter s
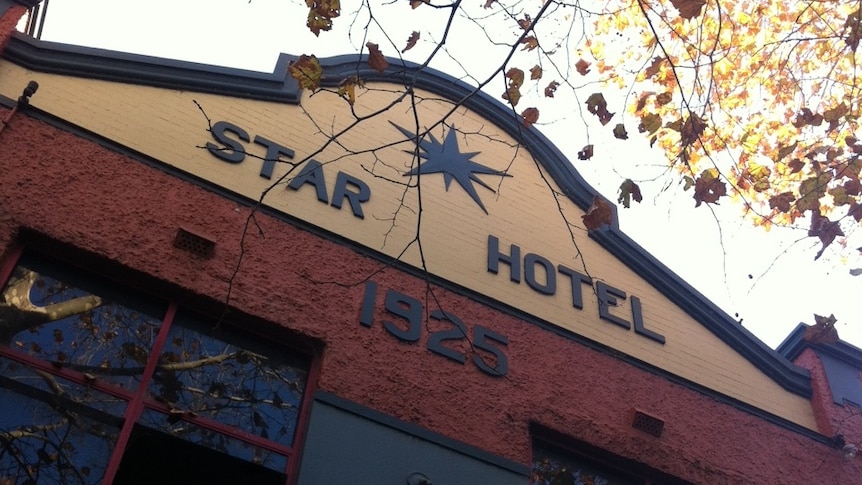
230,151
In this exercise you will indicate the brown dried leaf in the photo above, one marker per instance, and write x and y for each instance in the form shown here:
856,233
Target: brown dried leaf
530,42
628,191
583,67
782,201
642,99
654,67
796,165
786,150
529,116
512,95
835,114
515,76
650,123
599,214
620,132
824,229
709,188
597,105
806,117
586,153
376,60
691,130
307,72
535,73
321,13
823,331
664,98
689,9
855,211
411,41
551,88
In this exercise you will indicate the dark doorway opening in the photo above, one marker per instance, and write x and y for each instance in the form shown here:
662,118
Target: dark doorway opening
156,458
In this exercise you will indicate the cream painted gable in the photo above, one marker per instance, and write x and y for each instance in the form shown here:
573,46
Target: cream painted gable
530,251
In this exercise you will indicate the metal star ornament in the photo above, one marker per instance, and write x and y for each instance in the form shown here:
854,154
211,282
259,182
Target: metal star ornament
446,158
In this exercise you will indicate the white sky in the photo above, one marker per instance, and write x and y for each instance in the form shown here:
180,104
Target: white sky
768,279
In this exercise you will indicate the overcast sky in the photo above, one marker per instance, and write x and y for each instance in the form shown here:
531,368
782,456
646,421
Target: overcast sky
769,279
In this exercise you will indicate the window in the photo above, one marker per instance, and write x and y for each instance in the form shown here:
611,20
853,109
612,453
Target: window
552,467
561,460
102,385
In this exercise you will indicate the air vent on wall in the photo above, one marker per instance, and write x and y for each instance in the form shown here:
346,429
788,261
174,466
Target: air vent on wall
648,424
195,244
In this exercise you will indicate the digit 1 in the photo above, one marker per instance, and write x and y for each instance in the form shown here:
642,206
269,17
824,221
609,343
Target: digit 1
366,316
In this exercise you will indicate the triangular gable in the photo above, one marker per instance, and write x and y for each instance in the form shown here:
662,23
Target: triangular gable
491,224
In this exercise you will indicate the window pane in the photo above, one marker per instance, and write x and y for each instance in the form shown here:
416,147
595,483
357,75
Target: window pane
555,468
212,440
47,437
239,384
74,394
67,320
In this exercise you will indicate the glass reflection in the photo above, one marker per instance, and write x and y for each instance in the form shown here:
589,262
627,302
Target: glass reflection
89,330
48,436
240,384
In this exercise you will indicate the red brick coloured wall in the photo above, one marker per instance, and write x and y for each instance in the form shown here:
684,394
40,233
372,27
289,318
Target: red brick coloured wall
8,22
88,197
831,418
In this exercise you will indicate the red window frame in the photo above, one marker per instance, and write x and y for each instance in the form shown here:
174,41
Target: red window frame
138,401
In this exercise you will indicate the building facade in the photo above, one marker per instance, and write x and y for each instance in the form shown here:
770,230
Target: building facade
212,276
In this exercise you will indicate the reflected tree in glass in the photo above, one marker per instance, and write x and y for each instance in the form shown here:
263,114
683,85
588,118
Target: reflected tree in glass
55,429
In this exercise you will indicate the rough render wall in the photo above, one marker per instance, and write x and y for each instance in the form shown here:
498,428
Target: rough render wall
8,21
832,419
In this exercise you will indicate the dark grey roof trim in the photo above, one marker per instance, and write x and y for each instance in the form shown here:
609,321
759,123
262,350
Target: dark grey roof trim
795,343
88,62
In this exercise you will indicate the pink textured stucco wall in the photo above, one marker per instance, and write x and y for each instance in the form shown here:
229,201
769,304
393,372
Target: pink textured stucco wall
832,419
88,197
8,22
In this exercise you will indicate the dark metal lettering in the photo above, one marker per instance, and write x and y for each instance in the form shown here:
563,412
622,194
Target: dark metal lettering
274,151
530,262
457,332
355,199
638,319
366,315
230,150
607,298
311,173
513,259
407,308
483,339
577,280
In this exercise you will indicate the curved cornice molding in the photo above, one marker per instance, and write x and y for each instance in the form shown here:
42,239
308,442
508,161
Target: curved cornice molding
278,86
95,63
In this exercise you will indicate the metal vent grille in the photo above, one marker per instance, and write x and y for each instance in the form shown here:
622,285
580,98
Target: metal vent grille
648,424
198,245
